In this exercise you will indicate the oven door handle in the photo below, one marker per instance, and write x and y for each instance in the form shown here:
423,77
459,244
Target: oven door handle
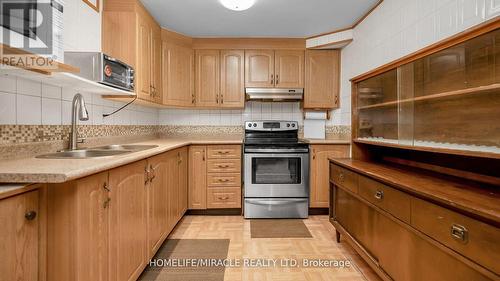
273,202
282,150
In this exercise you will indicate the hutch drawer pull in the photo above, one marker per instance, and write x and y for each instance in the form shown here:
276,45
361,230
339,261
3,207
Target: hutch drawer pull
459,233
31,215
379,195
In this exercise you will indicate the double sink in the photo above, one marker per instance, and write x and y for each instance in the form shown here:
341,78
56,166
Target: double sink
101,151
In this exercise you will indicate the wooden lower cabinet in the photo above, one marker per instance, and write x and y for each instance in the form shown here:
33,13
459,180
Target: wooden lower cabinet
319,171
128,235
214,177
156,187
391,246
19,237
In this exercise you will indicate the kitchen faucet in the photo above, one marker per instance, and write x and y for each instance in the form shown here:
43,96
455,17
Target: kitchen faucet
83,115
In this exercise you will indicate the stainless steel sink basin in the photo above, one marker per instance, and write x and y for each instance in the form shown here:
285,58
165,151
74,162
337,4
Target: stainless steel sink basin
82,154
129,147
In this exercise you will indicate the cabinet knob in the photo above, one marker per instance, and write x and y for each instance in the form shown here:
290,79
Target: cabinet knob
341,176
105,186
379,195
106,203
31,215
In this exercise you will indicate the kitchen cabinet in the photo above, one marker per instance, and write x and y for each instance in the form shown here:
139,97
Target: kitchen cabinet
130,34
157,189
219,78
232,83
178,75
322,79
215,177
19,217
197,177
128,225
319,170
78,228
177,186
269,68
183,180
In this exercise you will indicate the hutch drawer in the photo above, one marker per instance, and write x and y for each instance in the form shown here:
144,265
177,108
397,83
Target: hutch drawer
344,178
387,198
471,238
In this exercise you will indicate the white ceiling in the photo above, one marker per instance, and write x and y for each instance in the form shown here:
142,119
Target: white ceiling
267,18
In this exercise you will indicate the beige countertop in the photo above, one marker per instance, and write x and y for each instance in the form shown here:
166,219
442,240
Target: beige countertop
35,170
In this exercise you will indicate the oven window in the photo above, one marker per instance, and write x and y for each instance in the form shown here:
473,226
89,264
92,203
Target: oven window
276,170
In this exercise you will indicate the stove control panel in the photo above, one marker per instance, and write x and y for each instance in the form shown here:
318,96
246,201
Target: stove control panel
271,125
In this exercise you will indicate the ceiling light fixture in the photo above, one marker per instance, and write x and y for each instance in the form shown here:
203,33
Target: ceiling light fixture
237,5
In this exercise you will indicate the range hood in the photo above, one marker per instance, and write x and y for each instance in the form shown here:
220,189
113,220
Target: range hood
274,94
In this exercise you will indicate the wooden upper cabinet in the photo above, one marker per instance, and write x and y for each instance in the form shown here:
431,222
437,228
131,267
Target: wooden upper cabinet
128,229
144,67
322,79
197,177
207,78
232,78
19,236
259,68
319,175
289,69
156,77
178,75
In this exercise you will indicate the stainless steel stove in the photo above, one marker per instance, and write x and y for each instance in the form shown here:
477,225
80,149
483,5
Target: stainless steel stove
276,171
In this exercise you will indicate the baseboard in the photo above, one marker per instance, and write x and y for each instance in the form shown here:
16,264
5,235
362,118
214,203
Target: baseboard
318,211
215,212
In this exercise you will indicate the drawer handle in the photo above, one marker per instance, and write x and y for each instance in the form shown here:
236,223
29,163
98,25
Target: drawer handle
223,198
459,233
223,166
223,180
31,215
223,152
379,195
341,176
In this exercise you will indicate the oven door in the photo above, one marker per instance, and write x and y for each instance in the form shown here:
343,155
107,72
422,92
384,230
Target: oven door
284,175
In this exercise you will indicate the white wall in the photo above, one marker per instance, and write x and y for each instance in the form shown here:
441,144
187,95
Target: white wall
24,102
400,27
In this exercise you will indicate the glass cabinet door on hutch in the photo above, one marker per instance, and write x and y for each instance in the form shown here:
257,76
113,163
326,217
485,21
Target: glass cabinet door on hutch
447,100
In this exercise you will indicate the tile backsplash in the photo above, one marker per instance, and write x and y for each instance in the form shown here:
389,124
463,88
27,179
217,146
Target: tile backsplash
25,102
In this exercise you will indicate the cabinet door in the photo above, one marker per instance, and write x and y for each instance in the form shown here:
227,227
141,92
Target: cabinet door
207,78
259,68
197,177
173,201
128,221
92,224
178,75
156,82
156,194
232,78
19,236
143,71
322,79
320,165
289,68
183,180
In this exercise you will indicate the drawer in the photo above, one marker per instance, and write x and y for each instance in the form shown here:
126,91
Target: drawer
224,151
223,197
344,178
395,202
474,239
229,179
224,166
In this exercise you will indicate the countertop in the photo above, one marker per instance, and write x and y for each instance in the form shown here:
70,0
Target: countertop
35,170
467,196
